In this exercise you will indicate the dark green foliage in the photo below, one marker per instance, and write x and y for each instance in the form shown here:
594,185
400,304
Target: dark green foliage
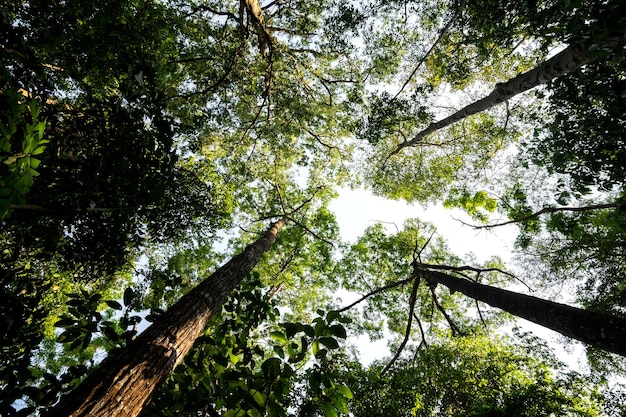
392,116
587,139
105,177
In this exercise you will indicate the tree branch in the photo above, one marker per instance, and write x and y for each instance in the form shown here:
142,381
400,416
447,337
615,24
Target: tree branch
407,333
376,291
453,327
474,269
545,210
433,46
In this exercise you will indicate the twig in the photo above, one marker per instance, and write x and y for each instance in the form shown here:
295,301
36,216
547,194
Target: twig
480,314
311,232
419,324
545,210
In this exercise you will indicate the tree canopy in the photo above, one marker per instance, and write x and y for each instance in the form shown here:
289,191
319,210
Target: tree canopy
145,146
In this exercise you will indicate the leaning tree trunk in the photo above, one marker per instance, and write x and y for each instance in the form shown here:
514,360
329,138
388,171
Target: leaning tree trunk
121,386
568,60
599,330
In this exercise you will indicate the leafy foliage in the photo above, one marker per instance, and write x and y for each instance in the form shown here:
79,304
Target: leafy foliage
472,376
135,134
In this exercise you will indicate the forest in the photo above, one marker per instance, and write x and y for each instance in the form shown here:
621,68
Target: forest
168,242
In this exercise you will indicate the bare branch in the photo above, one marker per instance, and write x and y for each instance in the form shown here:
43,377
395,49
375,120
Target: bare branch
545,210
407,333
376,291
453,327
480,314
433,46
311,232
419,324
475,269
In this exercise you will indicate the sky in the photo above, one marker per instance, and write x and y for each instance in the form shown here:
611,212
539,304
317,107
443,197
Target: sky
357,209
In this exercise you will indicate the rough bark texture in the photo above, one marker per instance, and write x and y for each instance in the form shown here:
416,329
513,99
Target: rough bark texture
568,60
599,330
122,386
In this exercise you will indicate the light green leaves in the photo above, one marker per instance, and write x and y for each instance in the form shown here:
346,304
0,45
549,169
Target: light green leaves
22,129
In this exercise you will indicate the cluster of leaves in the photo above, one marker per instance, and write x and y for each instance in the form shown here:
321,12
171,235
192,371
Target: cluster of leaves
21,141
585,140
242,367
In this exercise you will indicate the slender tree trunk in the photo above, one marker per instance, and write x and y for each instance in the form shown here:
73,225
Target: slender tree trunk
568,60
599,330
121,386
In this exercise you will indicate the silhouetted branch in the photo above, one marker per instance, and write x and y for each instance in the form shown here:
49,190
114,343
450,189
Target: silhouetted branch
407,333
374,292
544,210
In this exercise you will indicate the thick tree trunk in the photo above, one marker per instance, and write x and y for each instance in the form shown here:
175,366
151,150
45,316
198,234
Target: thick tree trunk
599,330
568,60
123,385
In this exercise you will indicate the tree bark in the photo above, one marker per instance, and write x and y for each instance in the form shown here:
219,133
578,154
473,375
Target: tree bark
121,386
599,330
568,60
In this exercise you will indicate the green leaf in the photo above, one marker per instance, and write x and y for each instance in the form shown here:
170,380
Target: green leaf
271,367
328,409
340,403
338,330
129,296
345,391
113,304
329,342
332,316
308,330
290,329
235,412
279,337
65,322
258,396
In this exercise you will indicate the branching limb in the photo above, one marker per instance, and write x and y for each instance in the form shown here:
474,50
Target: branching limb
433,46
474,269
455,330
407,333
419,324
480,314
544,210
320,141
328,242
376,291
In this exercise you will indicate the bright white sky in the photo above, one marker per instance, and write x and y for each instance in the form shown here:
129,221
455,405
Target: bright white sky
357,209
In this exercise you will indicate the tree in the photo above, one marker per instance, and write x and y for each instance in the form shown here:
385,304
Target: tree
472,376
570,59
173,125
123,384
603,331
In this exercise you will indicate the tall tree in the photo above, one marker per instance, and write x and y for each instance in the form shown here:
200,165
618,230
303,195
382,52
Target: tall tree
570,59
122,385
600,330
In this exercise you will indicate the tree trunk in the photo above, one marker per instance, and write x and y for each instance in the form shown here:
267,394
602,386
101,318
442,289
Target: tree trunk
122,385
599,330
568,60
